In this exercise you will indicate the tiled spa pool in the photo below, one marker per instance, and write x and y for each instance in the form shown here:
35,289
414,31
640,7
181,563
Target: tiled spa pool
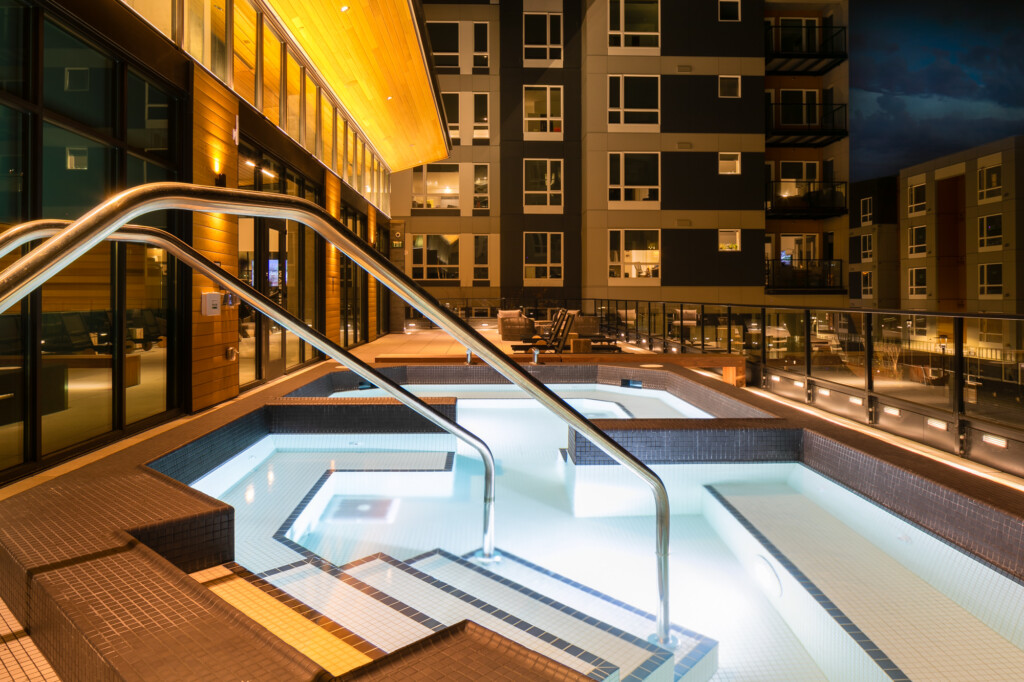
784,574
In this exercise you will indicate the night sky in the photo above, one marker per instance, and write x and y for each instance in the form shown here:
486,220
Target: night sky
929,78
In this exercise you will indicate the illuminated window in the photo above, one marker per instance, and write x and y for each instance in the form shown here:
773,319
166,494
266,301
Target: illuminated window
436,186
867,284
206,35
917,279
542,257
634,178
542,185
244,75
728,163
867,211
915,199
867,249
542,39
917,241
542,112
633,24
310,110
633,100
728,86
728,10
990,231
444,41
990,182
634,254
481,186
729,240
435,256
990,279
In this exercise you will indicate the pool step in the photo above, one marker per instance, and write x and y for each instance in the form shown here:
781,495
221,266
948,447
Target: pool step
581,642
695,657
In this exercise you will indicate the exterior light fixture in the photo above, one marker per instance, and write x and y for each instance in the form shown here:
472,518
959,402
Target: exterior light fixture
938,424
893,411
998,441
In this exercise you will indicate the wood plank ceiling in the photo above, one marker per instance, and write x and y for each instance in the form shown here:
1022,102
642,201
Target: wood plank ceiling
371,56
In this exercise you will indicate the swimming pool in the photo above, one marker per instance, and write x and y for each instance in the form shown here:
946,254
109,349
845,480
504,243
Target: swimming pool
763,555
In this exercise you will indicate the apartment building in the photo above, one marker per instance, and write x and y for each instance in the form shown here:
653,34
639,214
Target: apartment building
874,245
634,149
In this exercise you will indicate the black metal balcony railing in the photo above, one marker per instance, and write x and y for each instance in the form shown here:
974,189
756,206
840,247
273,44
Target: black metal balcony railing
804,124
804,199
802,275
796,47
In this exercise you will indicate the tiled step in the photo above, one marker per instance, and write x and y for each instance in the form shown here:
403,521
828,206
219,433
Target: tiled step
616,630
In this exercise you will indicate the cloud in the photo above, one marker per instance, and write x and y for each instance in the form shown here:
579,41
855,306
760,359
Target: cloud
891,74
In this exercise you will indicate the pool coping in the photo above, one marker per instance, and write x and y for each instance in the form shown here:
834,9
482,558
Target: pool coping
70,543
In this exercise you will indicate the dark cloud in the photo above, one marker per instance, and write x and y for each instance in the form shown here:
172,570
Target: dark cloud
890,74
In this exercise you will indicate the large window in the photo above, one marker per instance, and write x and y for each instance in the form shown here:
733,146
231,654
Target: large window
867,284
78,81
444,41
293,96
917,279
481,52
481,186
634,254
481,259
450,102
206,36
917,241
867,211
633,24
633,100
990,279
634,177
867,248
542,257
798,107
436,186
481,116
435,256
542,185
271,76
244,76
542,39
542,112
990,182
915,199
990,231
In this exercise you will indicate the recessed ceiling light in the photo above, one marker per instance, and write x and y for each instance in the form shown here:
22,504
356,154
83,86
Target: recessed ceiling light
389,98
344,8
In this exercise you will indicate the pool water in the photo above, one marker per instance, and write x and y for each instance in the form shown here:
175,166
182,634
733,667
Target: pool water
404,495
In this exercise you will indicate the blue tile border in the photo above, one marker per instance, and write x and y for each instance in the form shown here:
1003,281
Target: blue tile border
870,648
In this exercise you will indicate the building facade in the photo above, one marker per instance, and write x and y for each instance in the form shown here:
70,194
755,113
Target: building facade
874,245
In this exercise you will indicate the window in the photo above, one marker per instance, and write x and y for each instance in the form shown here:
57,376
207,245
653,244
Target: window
798,170
542,185
450,102
542,38
542,256
728,86
917,282
293,96
867,250
633,100
990,331
917,241
481,119
867,284
206,35
728,10
990,182
244,28
798,35
634,177
435,256
271,76
327,133
918,325
728,163
990,279
444,41
990,231
798,107
310,108
542,112
435,185
481,55
915,199
481,186
634,254
729,240
633,23
481,267
867,211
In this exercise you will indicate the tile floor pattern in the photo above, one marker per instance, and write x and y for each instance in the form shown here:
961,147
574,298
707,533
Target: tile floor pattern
20,660
924,632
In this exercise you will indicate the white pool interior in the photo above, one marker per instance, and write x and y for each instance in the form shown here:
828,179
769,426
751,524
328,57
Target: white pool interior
936,612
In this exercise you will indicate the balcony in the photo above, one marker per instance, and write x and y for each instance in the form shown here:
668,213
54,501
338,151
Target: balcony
799,47
804,125
803,276
810,199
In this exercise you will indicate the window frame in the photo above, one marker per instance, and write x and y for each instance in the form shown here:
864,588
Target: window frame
867,284
987,335
737,233
920,208
550,264
617,38
739,11
722,163
454,128
622,109
427,195
867,211
484,267
425,266
547,207
985,289
654,267
986,243
548,120
739,86
446,68
989,193
547,62
623,188
867,248
486,194
914,290
809,117
917,249
482,58
482,131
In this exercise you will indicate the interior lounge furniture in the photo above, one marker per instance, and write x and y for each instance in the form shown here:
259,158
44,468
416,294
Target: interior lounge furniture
554,340
514,326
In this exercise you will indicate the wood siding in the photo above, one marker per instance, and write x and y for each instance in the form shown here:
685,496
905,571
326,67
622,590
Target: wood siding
332,291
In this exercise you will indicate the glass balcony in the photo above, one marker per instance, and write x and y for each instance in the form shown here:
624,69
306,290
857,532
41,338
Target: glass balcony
804,199
804,124
802,46
795,275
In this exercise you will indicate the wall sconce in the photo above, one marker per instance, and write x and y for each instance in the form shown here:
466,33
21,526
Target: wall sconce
221,180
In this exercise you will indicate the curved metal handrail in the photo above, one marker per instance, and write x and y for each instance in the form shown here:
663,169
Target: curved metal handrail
43,262
39,229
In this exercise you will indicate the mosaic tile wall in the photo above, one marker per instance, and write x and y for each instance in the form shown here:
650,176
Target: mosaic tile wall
192,461
352,415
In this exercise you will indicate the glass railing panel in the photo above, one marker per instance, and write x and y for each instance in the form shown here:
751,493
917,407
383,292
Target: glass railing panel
838,347
148,302
993,357
750,325
913,358
716,328
785,334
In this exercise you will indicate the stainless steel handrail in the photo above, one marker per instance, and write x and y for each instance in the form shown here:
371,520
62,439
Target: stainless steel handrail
39,229
43,262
